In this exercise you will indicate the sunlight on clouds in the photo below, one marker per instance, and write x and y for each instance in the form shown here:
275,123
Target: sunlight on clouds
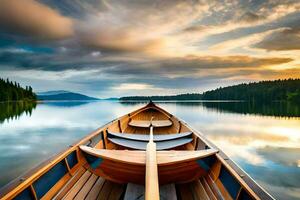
133,86
243,42
131,29
35,19
42,75
177,41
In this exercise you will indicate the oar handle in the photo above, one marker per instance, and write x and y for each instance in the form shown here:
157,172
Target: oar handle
151,130
151,135
152,185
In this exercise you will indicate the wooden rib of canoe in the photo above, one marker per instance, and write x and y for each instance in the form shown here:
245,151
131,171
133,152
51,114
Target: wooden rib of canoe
146,154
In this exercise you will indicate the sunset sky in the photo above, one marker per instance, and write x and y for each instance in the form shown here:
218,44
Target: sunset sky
113,48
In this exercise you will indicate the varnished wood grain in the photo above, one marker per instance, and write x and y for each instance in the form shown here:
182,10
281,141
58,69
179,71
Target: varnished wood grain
76,188
86,187
139,157
64,190
94,192
105,191
151,185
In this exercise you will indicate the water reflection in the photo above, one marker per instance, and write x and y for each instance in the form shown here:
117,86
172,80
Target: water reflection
267,148
13,110
27,140
66,103
277,109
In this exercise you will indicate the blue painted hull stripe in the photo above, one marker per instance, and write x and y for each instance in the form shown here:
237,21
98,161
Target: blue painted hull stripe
94,161
203,165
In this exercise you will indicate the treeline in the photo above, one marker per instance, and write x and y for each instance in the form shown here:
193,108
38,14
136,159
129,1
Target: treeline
12,91
263,91
188,96
278,109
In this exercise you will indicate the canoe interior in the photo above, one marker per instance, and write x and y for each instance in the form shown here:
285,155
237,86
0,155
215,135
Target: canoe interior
68,175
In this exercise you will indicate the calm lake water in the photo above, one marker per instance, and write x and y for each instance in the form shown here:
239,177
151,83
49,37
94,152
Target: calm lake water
263,140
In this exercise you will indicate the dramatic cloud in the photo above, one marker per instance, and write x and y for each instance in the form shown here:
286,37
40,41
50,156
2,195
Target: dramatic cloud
287,39
141,27
149,47
250,17
33,19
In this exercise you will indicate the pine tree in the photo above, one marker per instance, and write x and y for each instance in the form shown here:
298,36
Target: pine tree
12,91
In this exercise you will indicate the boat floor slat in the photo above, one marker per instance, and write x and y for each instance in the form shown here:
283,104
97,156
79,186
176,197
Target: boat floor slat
78,185
105,191
65,189
184,192
137,192
167,192
91,187
213,187
86,188
208,189
94,192
134,191
194,190
198,190
117,191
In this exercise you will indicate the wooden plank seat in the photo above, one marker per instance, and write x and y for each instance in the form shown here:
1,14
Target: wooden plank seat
139,157
139,141
124,166
141,145
145,137
147,123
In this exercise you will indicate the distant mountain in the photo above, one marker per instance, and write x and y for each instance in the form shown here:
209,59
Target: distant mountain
55,92
62,95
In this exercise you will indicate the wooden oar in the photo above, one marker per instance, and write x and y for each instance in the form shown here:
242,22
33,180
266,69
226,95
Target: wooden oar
152,185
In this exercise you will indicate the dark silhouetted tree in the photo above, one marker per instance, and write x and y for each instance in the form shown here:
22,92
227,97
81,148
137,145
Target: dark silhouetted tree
12,91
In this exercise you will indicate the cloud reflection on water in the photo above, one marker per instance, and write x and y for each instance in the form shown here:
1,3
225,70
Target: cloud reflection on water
266,147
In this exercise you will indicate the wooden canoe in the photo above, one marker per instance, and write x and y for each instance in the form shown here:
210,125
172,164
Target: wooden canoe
147,153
